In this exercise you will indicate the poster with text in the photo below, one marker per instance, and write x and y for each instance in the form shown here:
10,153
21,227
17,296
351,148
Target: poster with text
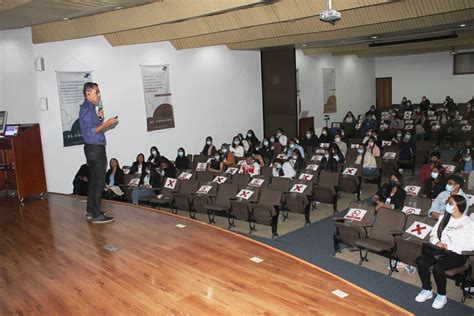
70,85
159,109
329,90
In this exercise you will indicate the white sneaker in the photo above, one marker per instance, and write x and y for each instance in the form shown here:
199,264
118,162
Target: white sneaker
423,296
439,301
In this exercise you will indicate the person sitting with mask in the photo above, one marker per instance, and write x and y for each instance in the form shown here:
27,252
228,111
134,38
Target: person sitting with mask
182,161
149,179
325,137
340,144
237,149
215,164
435,160
228,157
367,159
310,140
327,163
397,123
266,150
292,146
407,148
154,156
282,139
467,147
397,139
435,184
209,149
297,161
453,187
252,139
282,169
250,166
454,233
275,145
391,195
372,147
466,165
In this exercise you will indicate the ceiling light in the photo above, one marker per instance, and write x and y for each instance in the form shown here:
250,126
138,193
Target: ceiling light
374,37
118,8
462,25
304,45
343,41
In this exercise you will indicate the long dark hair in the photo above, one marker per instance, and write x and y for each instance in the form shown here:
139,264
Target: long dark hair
461,204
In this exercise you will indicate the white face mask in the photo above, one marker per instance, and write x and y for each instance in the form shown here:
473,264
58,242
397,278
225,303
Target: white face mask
292,145
360,151
209,143
265,143
336,157
224,150
371,144
278,134
434,175
180,153
294,157
278,166
236,142
325,132
217,157
337,139
154,152
468,158
249,134
326,156
272,140
399,135
308,135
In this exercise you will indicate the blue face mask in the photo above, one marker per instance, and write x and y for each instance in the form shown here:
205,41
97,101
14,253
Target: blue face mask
449,188
449,209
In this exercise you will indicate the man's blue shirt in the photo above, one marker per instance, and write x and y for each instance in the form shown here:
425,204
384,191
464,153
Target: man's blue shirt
88,121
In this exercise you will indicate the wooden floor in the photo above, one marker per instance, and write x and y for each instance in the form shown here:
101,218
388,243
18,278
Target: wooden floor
52,261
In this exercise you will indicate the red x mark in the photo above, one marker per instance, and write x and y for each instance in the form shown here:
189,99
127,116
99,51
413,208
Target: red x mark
243,194
298,187
350,170
171,182
418,229
220,179
306,177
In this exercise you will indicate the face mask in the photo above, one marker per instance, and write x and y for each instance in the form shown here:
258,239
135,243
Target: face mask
449,188
337,139
216,157
369,133
278,166
467,158
349,115
209,143
360,151
154,152
294,157
371,144
249,135
407,136
292,145
272,140
278,134
236,142
325,132
434,175
399,135
308,135
342,133
336,157
180,153
224,150
326,156
449,209
393,183
265,143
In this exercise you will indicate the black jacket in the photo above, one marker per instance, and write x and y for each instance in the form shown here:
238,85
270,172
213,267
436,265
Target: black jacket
397,200
118,177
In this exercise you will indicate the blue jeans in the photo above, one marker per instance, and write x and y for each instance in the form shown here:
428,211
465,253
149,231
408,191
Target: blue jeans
368,172
139,192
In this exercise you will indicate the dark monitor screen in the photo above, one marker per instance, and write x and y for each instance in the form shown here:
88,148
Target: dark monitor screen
11,130
3,121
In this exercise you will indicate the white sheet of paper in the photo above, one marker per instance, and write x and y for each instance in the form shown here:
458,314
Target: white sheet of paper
411,210
256,259
355,214
180,225
340,293
412,190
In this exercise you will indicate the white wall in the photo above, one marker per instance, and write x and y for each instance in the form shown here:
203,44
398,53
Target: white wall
429,74
17,76
216,92
355,85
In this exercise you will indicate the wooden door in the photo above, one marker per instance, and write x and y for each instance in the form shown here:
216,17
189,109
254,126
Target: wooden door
384,93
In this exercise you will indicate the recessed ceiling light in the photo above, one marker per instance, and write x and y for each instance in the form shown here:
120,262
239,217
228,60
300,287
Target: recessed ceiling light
343,41
118,8
304,45
462,25
374,37
65,19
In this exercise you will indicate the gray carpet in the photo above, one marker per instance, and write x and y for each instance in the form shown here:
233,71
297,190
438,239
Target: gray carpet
313,244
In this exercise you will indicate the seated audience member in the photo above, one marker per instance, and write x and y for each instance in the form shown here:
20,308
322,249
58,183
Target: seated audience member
168,169
250,166
397,123
424,104
325,137
297,160
336,153
408,106
372,147
327,163
466,165
282,139
391,195
258,158
372,112
282,169
349,118
81,181
275,145
209,149
228,157
149,179
113,179
453,187
266,150
252,139
237,149
435,160
344,136
182,161
407,148
368,162
154,156
340,144
452,232
419,131
138,165
435,184
215,164
310,140
247,145
403,104
368,123
467,147
293,145
368,134
449,103
397,139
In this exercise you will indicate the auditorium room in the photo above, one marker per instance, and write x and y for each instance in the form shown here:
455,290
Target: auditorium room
237,157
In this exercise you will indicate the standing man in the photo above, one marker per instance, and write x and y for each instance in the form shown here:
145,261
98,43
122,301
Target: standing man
92,129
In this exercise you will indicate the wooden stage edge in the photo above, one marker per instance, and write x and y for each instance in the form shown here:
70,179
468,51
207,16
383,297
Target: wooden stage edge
226,231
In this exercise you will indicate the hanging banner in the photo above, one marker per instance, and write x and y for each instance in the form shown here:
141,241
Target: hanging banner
329,90
159,111
70,85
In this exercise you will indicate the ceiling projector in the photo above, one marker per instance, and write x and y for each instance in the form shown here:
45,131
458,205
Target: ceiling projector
330,15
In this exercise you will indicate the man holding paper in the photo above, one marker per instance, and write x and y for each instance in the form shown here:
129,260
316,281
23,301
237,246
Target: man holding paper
92,129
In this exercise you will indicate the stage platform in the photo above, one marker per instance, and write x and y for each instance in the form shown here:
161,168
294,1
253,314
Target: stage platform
53,261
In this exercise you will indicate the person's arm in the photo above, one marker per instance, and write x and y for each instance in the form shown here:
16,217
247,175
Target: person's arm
434,232
437,207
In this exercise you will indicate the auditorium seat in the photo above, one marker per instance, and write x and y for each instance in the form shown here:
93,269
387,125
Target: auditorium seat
221,205
165,197
266,211
280,183
326,189
241,208
241,179
299,203
184,198
200,200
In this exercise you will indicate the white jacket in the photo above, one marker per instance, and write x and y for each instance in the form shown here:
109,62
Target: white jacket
458,234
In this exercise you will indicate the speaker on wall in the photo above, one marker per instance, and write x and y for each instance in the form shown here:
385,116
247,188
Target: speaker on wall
39,64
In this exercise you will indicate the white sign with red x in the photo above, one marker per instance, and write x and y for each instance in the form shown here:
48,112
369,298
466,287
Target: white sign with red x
256,182
355,214
355,146
411,210
201,166
312,167
350,171
219,180
232,170
412,190
324,145
298,188
449,168
419,229
306,177
466,128
185,176
170,183
320,151
316,158
386,143
244,194
204,189
389,155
